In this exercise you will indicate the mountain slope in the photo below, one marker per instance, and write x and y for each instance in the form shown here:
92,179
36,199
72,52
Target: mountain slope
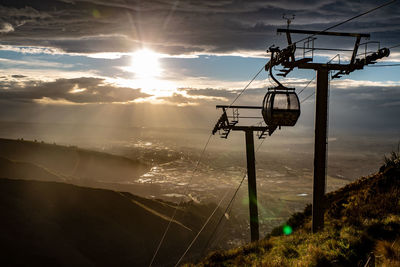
49,162
25,171
73,162
57,224
362,224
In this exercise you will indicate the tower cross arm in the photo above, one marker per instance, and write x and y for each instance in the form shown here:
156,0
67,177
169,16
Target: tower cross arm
344,34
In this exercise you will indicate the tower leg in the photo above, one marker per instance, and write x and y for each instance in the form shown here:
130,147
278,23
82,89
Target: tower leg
321,118
251,176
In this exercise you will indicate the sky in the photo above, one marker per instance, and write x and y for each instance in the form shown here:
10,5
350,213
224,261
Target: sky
168,63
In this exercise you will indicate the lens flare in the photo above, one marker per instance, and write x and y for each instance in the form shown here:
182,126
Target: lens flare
287,229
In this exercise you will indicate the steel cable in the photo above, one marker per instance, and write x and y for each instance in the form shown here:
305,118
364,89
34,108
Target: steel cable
180,202
228,206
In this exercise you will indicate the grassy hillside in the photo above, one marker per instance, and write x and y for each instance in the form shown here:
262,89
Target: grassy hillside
57,224
362,224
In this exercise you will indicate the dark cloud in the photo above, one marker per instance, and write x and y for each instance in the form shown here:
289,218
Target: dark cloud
177,27
178,99
18,76
80,90
205,97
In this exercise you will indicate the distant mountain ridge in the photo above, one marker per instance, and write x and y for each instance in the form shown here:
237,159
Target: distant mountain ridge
70,161
27,159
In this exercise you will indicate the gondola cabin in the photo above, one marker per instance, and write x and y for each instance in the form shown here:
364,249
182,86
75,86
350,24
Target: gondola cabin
281,107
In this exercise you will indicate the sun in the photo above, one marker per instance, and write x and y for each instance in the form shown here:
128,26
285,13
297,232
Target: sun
145,64
148,74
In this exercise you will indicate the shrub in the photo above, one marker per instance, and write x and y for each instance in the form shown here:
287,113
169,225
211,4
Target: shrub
392,161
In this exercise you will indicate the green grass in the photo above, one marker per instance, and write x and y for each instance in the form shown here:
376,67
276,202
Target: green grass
361,218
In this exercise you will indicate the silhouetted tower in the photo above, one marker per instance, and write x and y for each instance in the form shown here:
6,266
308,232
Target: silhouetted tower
286,58
224,126
280,107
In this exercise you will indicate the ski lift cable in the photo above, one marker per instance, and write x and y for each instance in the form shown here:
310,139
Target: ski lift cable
394,46
386,65
245,88
313,93
223,214
345,21
305,87
180,202
201,229
228,206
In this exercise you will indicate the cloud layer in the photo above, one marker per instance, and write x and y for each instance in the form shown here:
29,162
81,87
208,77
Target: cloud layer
176,28
179,27
68,91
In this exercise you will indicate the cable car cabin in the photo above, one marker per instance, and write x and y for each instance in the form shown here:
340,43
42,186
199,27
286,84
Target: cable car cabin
281,108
